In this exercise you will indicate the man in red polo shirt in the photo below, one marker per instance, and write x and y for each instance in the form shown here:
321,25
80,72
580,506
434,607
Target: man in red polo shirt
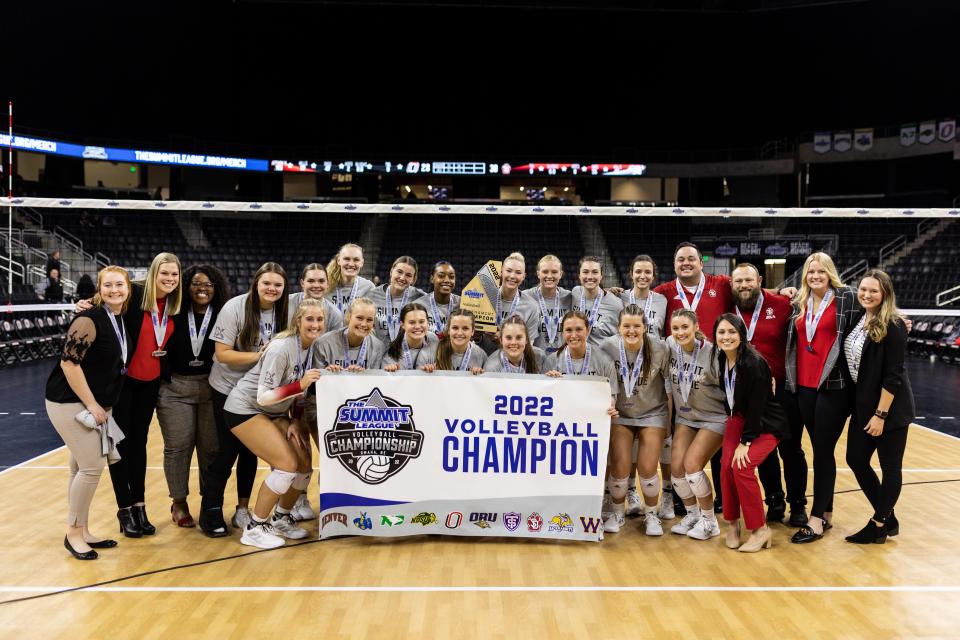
707,295
767,315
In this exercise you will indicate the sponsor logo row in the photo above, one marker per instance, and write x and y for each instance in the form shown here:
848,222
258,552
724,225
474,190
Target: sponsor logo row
512,521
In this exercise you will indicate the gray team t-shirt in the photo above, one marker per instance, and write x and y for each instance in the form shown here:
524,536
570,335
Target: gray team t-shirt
227,329
605,320
328,349
600,365
647,406
379,297
705,403
283,362
494,363
426,354
555,309
341,296
656,313
477,357
332,318
438,313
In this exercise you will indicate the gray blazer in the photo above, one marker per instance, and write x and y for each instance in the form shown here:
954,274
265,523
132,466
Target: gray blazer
832,375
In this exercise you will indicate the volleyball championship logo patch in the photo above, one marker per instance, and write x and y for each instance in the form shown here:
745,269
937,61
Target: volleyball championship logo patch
374,437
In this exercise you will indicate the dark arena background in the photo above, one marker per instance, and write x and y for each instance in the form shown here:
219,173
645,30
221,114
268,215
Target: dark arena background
235,133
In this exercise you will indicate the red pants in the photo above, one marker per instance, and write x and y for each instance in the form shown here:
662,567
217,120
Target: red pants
740,487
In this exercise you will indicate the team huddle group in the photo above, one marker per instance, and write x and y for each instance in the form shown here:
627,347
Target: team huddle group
702,369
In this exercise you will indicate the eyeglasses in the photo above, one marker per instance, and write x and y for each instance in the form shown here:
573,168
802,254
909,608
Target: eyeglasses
202,285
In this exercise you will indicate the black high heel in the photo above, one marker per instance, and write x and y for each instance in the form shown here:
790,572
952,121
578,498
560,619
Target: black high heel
140,516
129,526
102,544
86,555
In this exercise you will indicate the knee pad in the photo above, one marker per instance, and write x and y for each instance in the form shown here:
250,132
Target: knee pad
667,450
279,481
681,487
699,484
302,481
650,486
617,488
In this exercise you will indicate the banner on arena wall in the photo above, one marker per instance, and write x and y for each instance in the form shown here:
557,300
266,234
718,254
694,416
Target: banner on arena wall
908,135
928,132
449,453
863,139
947,130
480,294
763,249
821,141
842,141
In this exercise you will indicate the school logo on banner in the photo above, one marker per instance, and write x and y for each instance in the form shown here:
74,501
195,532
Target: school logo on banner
590,525
842,141
561,523
821,141
374,437
534,522
946,130
908,135
863,139
928,132
511,520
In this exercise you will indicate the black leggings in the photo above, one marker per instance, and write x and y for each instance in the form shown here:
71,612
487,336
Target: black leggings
133,413
824,413
230,450
791,451
889,447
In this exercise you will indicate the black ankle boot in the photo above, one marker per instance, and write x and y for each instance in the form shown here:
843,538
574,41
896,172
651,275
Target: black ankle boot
798,515
212,524
893,525
776,507
129,526
140,515
870,534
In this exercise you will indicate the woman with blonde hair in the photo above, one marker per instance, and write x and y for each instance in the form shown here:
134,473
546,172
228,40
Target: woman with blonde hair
553,302
343,272
86,383
882,402
826,308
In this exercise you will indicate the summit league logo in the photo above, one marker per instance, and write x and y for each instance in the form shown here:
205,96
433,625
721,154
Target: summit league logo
373,437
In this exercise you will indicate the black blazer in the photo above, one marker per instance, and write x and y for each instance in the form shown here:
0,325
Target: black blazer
881,367
753,398
133,318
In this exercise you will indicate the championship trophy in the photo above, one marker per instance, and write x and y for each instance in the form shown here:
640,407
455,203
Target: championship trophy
480,295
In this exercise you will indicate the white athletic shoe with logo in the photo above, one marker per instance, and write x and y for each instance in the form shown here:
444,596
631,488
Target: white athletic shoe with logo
652,525
666,506
284,525
302,510
634,503
241,518
261,535
688,522
606,508
613,522
704,529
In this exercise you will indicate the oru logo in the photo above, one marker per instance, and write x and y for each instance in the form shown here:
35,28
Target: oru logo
373,437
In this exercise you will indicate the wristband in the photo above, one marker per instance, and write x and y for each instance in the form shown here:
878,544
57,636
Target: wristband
881,414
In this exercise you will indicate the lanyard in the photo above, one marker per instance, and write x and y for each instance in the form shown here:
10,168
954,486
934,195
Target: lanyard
685,372
513,307
584,368
408,361
393,324
754,319
343,304
729,384
592,314
648,303
813,321
465,362
361,354
304,362
438,326
121,338
630,376
196,338
266,330
551,322
696,296
159,326
505,364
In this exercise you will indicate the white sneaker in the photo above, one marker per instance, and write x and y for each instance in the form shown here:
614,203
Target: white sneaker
613,523
261,535
652,524
284,525
688,522
634,503
241,518
704,529
302,510
666,506
606,508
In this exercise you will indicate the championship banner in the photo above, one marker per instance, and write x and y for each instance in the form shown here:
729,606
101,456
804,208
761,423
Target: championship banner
480,294
449,453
